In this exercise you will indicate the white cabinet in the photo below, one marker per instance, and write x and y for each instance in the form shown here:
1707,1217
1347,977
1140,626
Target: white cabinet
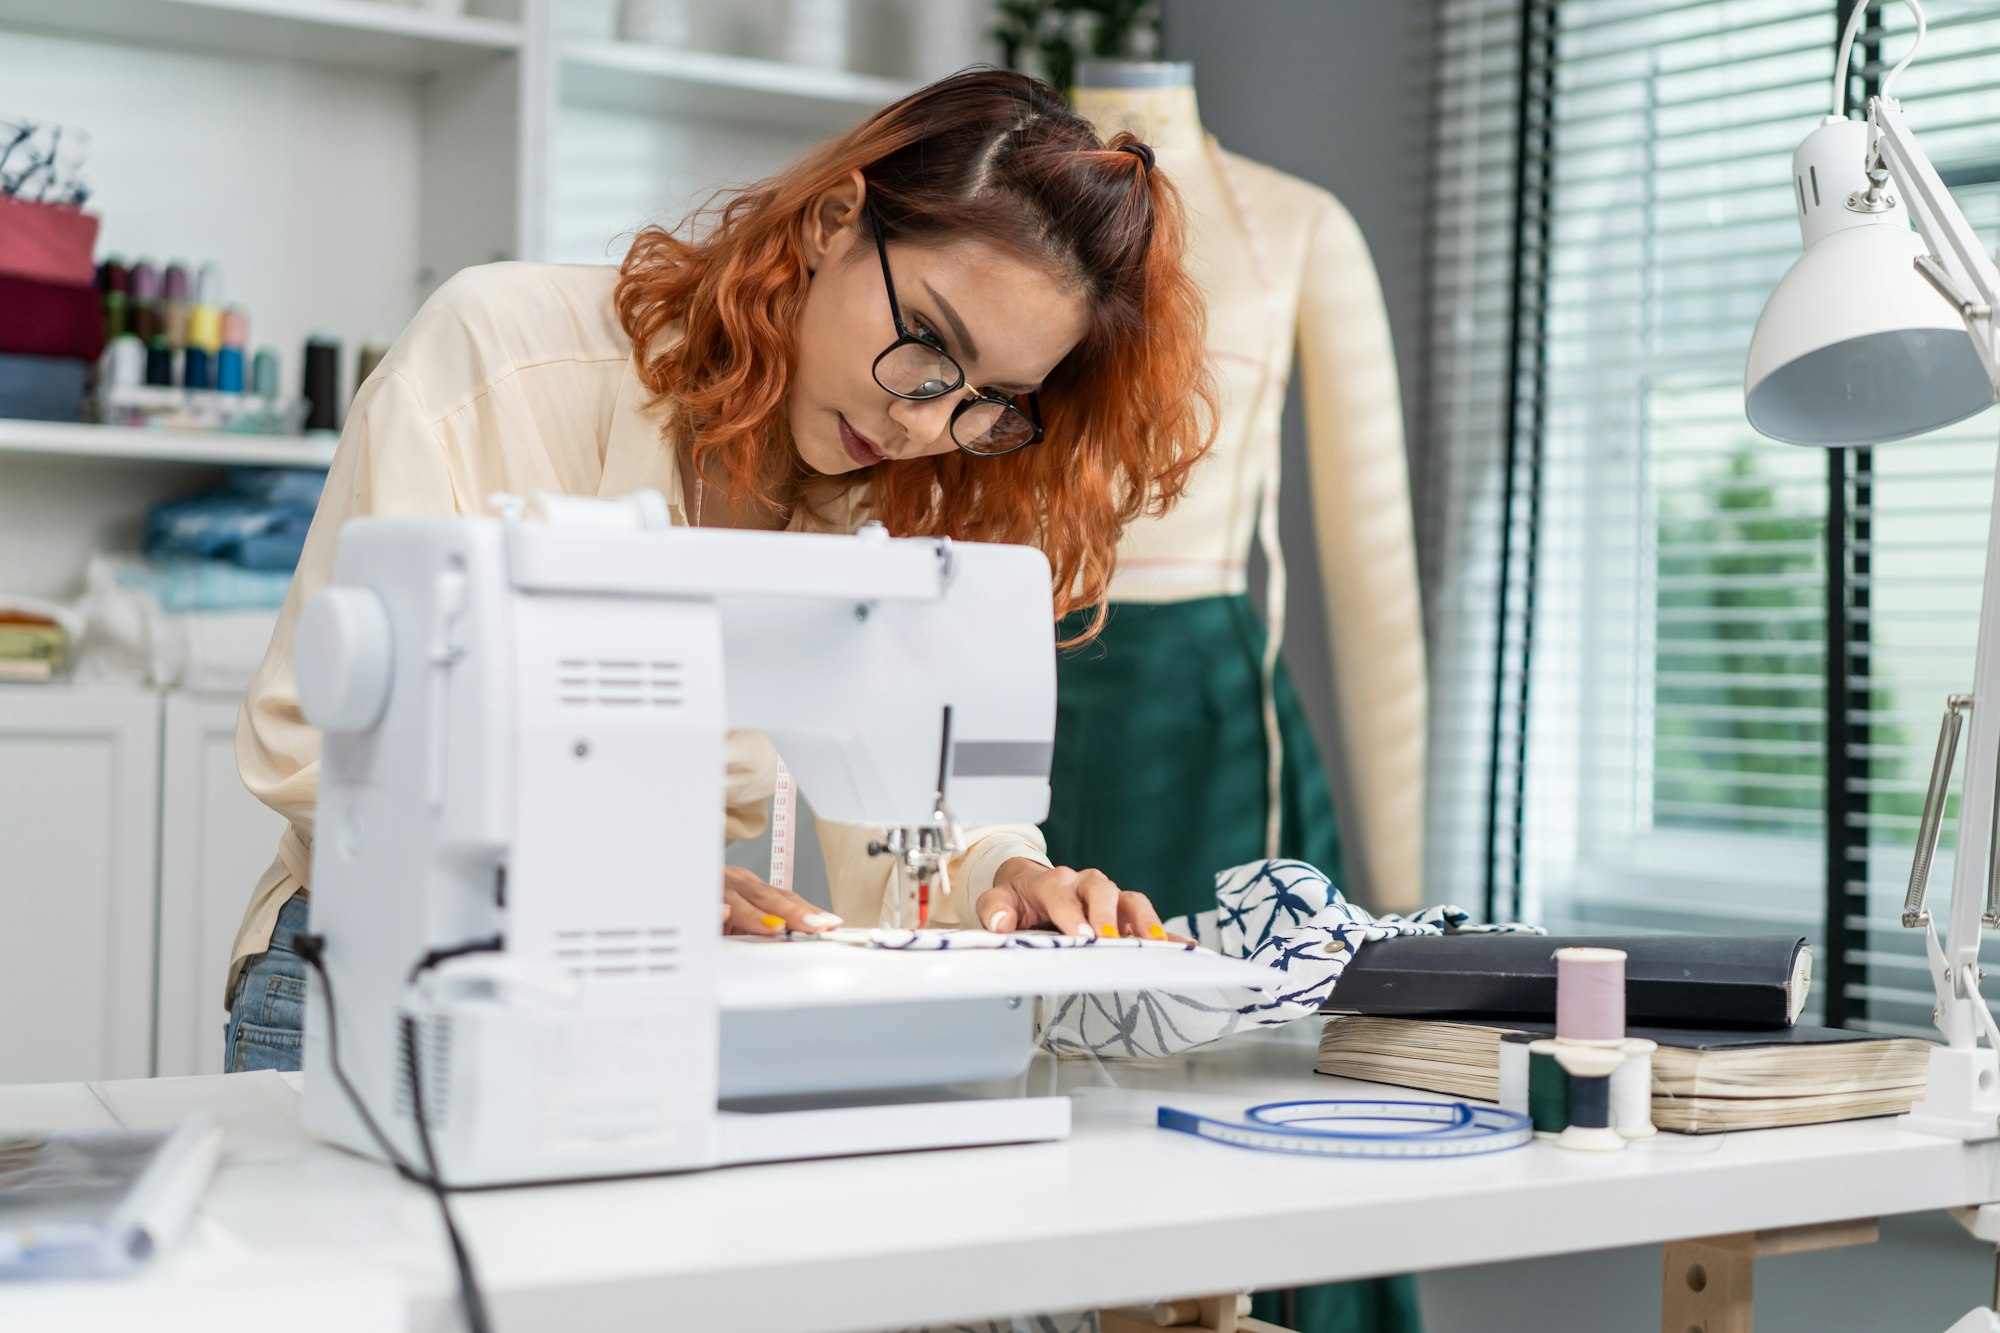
216,839
79,812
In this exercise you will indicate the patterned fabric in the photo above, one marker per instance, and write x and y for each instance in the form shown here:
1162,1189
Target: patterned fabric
1285,914
932,941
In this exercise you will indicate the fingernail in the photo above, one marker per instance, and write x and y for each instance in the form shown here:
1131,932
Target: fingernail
1082,931
773,922
1108,932
1157,931
819,919
998,921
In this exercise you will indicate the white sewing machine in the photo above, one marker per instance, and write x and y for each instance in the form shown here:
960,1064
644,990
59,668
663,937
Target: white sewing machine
524,722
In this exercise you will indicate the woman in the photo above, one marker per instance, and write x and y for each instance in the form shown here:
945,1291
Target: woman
967,317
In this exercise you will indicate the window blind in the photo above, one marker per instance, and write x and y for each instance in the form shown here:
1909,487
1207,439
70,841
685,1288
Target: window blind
1915,539
1684,677
1650,675
1676,726
1470,494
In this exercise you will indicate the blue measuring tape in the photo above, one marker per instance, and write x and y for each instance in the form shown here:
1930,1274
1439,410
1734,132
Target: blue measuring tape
1429,1129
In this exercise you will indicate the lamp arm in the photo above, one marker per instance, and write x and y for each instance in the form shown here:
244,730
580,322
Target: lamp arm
1960,266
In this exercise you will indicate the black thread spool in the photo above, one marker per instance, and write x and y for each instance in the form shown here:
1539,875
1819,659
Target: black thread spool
321,385
1590,1102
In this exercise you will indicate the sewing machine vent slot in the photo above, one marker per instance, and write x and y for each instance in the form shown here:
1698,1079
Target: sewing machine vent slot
434,1054
618,684
631,952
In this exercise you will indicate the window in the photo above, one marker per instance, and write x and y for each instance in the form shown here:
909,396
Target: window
1686,677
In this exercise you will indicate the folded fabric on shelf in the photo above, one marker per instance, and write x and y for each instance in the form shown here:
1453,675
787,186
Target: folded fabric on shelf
257,519
47,242
41,388
185,585
35,637
50,319
40,608
31,646
131,637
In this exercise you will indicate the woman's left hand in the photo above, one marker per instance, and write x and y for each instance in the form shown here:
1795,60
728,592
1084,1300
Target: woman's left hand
1027,895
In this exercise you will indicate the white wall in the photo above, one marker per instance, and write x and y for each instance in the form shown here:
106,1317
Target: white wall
611,173
327,238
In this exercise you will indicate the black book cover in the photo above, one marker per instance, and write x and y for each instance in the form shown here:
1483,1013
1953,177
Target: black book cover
1708,1039
1670,980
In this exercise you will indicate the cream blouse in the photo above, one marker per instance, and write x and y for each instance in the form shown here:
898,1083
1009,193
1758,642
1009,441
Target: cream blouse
517,378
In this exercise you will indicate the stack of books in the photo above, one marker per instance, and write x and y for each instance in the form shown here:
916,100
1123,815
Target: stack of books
1704,1080
1431,1013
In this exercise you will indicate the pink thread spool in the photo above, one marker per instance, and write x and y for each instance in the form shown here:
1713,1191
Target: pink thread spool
1590,996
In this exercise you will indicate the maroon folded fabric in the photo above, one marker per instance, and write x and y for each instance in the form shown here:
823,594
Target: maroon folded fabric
50,319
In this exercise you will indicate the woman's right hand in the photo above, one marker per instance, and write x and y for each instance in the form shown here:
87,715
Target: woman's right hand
752,907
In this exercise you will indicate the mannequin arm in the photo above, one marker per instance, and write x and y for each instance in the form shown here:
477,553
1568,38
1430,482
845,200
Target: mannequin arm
1368,561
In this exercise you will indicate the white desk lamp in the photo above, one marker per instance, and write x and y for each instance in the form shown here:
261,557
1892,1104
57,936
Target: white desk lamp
1878,333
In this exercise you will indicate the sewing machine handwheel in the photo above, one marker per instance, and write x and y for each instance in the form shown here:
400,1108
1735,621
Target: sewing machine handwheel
344,656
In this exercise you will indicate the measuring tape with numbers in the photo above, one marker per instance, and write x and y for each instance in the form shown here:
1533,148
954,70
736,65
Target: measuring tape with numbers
784,805
1421,1129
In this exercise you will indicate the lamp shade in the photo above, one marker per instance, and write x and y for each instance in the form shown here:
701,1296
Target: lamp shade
1855,347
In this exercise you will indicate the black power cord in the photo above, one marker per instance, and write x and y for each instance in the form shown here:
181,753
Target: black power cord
312,949
468,1281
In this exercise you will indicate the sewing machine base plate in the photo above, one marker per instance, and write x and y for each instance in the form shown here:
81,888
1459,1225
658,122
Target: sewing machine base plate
855,1130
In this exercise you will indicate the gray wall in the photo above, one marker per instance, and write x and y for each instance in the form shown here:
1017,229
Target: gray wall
1920,1277
1332,92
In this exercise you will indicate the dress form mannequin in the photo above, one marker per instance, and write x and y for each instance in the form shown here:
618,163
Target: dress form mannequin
1185,691
1284,266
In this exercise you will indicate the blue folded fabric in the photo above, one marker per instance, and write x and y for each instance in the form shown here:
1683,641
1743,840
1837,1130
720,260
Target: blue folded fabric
183,585
257,519
41,388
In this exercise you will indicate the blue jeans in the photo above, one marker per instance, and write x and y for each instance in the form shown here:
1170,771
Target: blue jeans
267,1010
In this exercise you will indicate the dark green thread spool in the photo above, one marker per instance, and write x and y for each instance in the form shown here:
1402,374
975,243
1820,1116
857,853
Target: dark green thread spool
1548,1093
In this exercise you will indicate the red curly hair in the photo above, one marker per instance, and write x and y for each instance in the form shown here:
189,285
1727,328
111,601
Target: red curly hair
984,153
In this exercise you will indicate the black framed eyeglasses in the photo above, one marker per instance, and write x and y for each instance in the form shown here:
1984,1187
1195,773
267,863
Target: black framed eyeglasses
916,368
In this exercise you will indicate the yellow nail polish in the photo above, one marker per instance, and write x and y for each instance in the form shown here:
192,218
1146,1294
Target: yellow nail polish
773,922
1157,931
1108,932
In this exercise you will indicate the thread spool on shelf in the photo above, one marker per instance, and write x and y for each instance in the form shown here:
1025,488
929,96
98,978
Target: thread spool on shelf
320,384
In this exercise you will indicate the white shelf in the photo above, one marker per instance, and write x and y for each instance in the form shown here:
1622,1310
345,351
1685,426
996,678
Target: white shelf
656,80
373,34
55,439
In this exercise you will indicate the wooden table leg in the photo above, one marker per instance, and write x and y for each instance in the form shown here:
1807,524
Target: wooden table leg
1202,1314
1707,1283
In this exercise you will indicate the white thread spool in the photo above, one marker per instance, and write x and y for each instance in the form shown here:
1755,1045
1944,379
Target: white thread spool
1590,996
123,363
1632,1090
1514,1071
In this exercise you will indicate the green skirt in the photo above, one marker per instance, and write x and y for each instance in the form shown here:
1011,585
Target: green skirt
1159,781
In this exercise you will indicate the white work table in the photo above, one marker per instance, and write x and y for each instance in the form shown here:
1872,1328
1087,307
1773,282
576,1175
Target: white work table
305,1236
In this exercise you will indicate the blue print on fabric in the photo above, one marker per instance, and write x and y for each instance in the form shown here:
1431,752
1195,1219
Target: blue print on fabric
1284,914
